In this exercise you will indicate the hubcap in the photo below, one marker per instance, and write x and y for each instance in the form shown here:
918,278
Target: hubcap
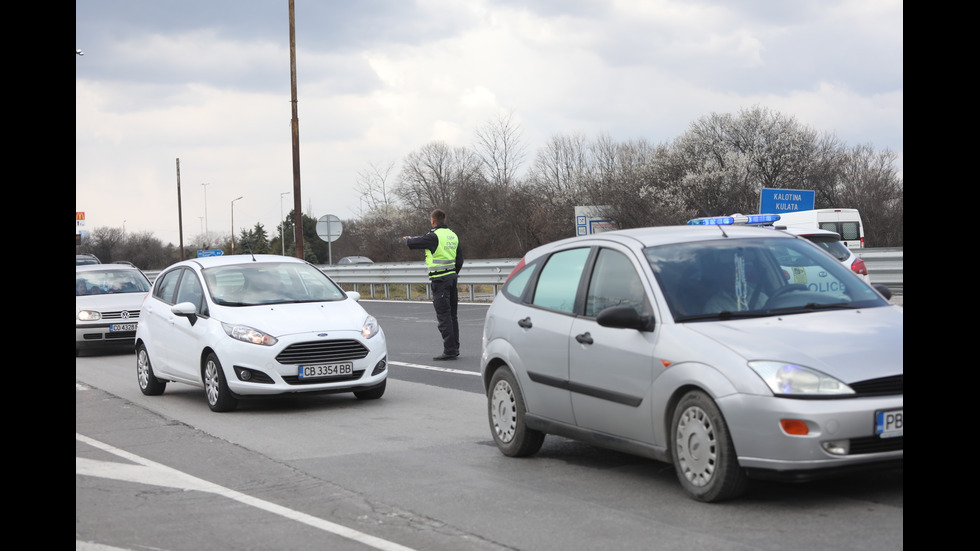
211,382
143,368
503,411
697,453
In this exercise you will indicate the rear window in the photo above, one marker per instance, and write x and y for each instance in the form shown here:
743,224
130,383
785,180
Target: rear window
832,245
849,231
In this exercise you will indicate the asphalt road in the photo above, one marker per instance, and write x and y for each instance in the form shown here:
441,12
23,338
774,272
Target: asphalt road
414,470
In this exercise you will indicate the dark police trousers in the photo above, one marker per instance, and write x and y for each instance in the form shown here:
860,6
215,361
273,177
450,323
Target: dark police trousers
445,298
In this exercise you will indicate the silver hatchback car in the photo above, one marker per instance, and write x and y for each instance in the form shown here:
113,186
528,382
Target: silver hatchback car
698,346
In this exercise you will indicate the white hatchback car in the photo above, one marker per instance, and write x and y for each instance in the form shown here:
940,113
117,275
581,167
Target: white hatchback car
831,242
257,325
108,298
691,345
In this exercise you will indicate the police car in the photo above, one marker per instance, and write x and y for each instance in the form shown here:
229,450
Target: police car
827,240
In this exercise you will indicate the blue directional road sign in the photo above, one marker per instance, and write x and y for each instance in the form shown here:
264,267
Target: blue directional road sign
218,252
777,201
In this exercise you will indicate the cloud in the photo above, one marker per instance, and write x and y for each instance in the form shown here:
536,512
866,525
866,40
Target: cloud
208,83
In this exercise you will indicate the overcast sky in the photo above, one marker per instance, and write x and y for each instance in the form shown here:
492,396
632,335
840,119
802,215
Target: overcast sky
208,83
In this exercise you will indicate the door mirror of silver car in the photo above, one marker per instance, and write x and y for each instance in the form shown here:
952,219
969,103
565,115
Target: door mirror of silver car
625,317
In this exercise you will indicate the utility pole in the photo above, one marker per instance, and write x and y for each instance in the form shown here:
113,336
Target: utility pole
180,214
297,201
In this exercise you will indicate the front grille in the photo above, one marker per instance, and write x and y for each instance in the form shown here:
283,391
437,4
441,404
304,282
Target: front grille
885,386
874,444
317,352
132,315
121,336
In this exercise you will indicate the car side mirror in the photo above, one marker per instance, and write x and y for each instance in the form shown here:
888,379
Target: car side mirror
625,317
185,310
885,291
354,295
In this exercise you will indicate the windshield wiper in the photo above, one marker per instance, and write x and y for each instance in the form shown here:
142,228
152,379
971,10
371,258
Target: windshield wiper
813,306
725,315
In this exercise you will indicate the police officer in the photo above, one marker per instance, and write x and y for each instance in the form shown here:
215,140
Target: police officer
444,260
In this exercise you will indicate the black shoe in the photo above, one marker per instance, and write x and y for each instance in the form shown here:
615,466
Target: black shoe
442,357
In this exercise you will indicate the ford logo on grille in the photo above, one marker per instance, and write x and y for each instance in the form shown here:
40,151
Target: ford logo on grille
322,335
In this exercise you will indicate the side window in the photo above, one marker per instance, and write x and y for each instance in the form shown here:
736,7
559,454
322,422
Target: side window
558,283
514,288
190,290
614,282
165,286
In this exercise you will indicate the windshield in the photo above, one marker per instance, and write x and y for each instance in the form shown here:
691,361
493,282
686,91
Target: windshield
104,282
269,283
754,277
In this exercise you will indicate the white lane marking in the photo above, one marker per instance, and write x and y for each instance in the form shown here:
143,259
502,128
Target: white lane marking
151,472
434,368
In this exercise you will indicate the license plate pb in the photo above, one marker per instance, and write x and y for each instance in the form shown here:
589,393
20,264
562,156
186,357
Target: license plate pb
888,424
326,370
117,327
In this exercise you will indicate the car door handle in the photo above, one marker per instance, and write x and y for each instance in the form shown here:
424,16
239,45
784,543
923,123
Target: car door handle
584,338
525,323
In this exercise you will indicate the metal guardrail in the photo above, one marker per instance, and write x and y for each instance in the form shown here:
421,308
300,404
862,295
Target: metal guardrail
476,274
885,266
483,278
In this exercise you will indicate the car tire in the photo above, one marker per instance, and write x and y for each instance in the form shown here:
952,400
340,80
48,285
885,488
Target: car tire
149,384
507,415
373,393
703,452
216,387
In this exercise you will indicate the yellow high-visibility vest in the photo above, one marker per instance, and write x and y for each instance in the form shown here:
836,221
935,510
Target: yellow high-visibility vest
443,261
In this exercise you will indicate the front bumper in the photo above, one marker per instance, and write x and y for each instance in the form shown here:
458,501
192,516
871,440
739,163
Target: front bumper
100,334
841,434
251,370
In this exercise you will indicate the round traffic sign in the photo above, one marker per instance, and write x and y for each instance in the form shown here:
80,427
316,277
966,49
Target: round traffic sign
329,227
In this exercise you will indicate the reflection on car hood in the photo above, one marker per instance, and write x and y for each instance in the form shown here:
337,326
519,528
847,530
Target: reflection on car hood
301,317
851,345
110,302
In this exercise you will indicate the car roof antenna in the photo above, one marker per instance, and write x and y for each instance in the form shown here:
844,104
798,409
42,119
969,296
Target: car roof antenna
248,247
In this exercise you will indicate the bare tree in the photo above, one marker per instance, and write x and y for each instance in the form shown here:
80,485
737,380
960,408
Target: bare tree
501,149
373,183
870,183
105,243
436,175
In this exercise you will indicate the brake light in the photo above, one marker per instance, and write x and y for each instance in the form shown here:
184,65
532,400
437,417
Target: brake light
515,270
859,267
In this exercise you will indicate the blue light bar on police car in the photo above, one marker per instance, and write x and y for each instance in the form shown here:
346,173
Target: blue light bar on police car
753,219
762,218
712,221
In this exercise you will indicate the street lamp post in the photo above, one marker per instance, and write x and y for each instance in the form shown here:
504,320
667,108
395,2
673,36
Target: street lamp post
205,210
282,222
233,225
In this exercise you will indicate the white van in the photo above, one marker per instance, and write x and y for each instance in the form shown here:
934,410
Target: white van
845,222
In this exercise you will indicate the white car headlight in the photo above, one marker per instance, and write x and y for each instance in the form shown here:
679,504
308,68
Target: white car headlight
248,334
370,327
795,380
89,315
